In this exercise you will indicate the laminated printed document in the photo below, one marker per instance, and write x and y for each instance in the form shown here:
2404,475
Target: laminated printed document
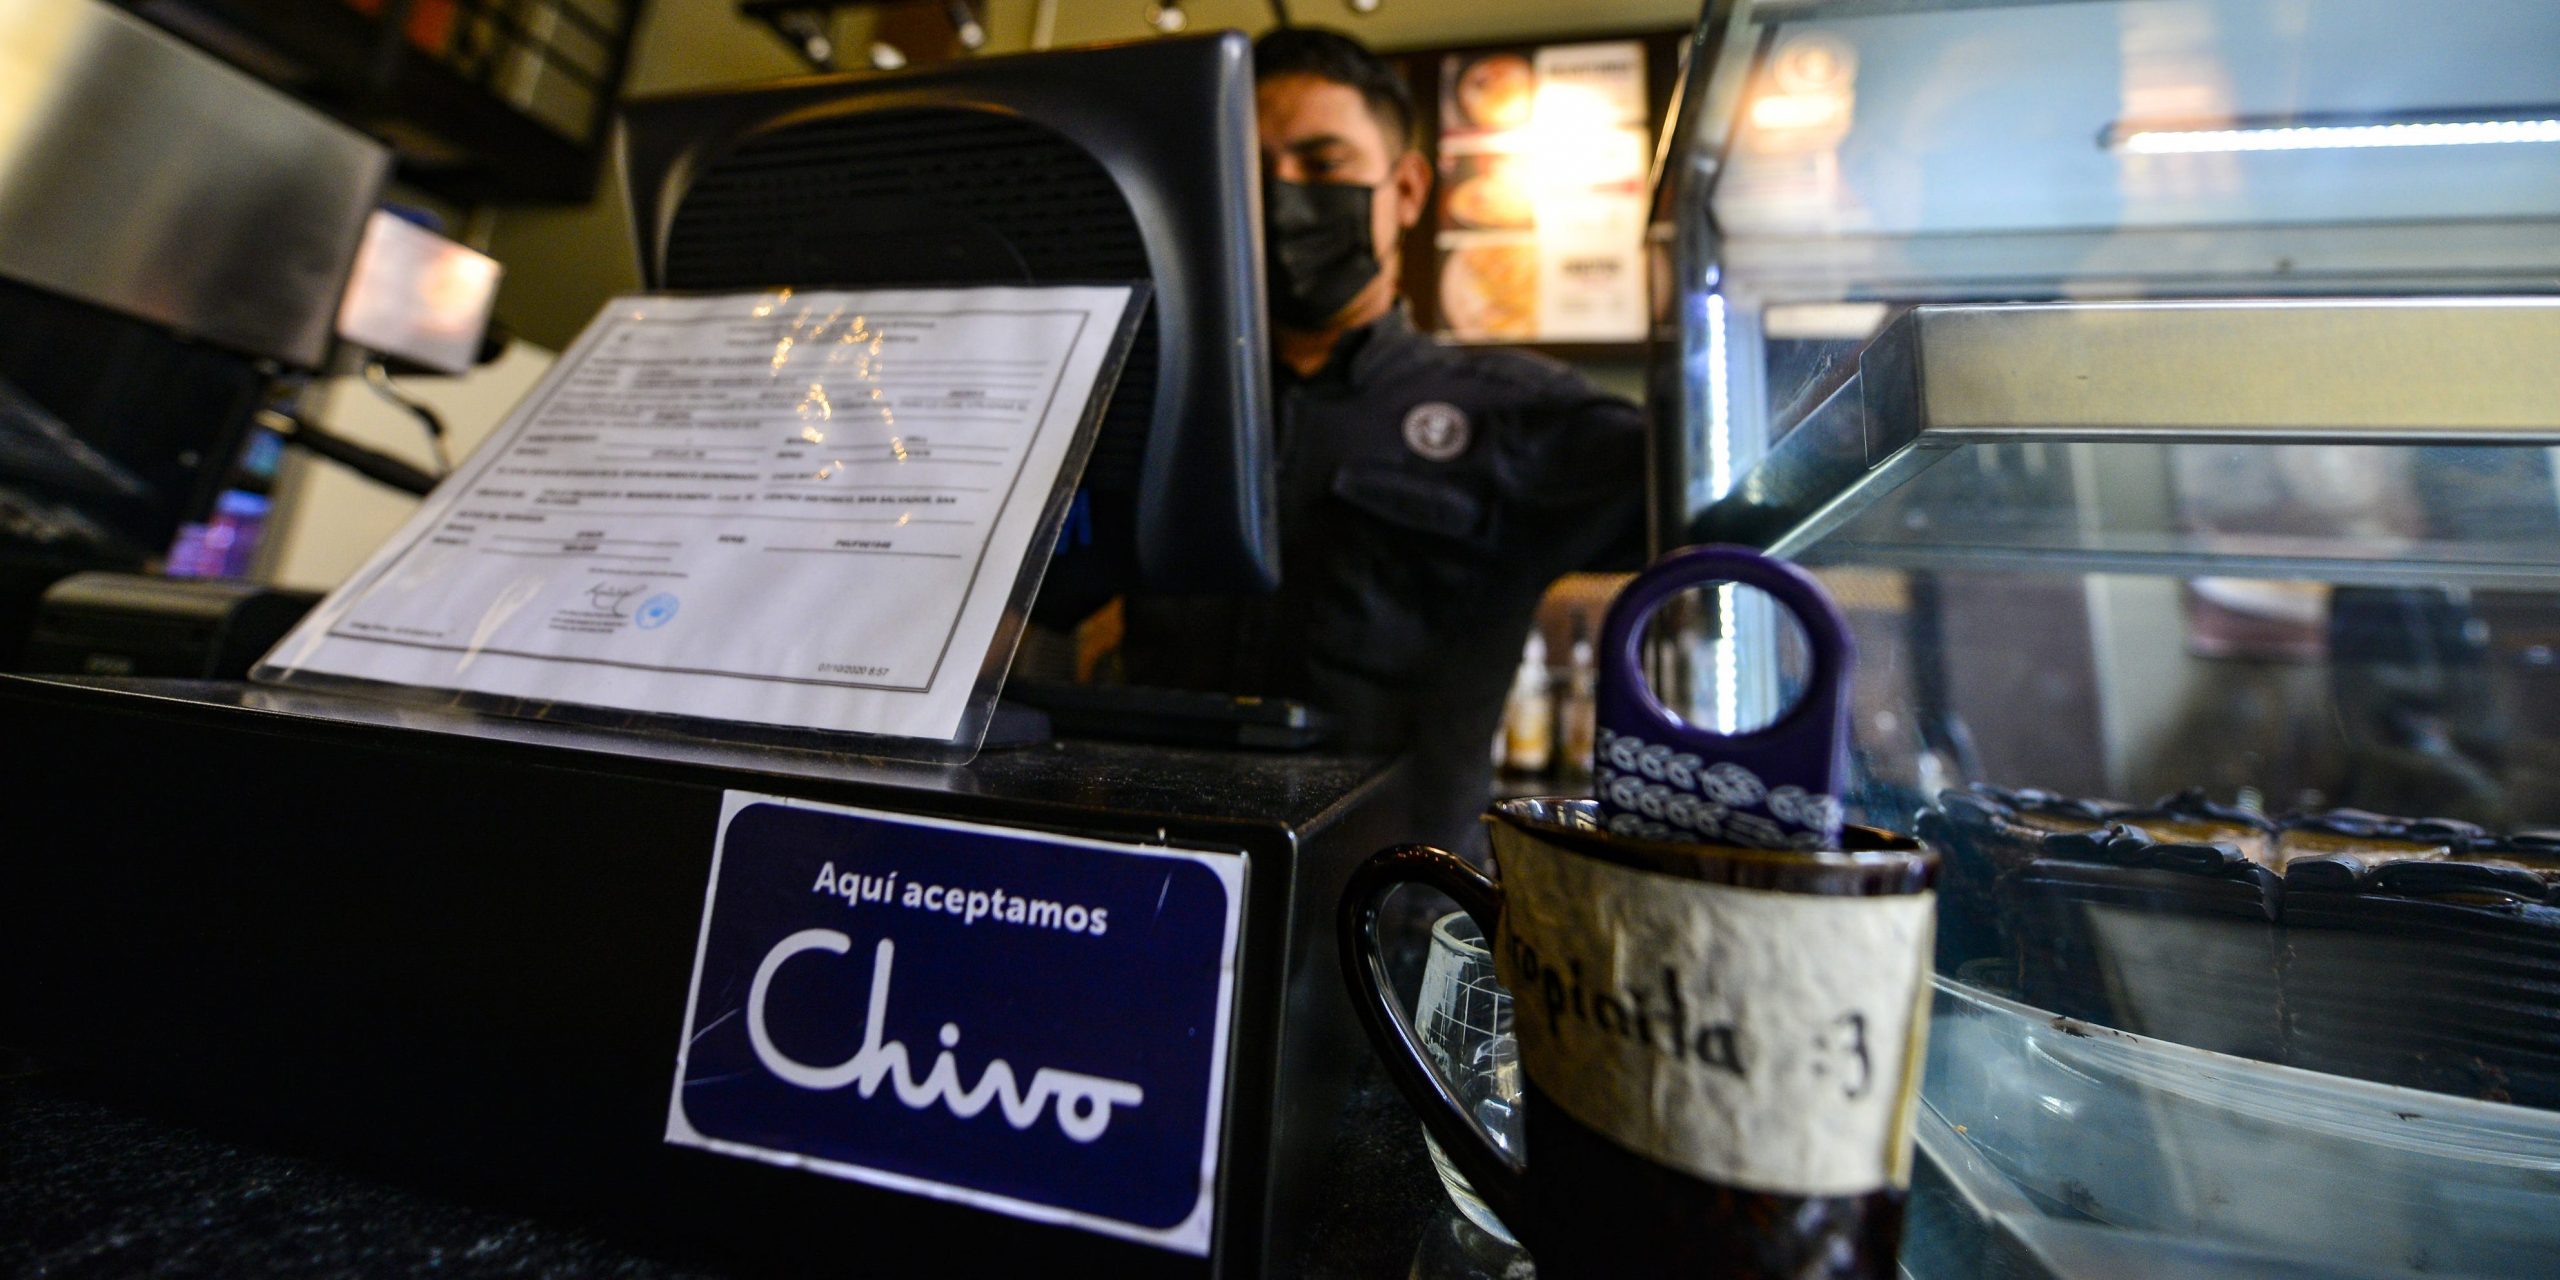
807,510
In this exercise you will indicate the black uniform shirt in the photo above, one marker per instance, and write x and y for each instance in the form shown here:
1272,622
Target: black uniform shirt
1428,496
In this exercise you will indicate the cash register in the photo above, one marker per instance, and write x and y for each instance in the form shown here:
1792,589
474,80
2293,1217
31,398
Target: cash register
508,953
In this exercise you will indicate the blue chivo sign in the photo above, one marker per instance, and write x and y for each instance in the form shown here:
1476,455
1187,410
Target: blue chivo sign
1031,1024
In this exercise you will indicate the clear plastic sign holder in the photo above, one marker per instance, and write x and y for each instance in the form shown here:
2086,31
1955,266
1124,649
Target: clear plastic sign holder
796,477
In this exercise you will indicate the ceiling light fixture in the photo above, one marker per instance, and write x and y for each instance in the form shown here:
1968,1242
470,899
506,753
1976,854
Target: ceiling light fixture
1167,16
966,24
807,30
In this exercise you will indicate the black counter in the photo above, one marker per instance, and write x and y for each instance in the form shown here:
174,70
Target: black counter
95,1183
451,951
1098,778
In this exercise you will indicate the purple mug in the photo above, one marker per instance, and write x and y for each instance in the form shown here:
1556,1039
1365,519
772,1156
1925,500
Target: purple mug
1659,777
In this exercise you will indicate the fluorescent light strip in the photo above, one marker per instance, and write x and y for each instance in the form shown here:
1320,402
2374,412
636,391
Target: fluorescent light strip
1727,676
1719,402
2321,137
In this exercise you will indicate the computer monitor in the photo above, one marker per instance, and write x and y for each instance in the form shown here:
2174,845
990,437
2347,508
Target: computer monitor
114,432
417,296
1133,161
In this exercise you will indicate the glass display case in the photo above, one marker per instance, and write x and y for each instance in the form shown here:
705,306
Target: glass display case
2169,390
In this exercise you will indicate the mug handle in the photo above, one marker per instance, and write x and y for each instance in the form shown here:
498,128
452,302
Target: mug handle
1496,1176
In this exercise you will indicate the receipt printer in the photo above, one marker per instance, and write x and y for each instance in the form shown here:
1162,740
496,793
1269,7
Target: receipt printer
133,624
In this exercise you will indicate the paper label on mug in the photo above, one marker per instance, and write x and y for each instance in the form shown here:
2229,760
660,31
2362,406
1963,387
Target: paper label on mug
1763,1040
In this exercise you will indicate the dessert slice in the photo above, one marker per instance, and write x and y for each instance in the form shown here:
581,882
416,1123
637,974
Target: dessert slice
2340,849
2192,817
1982,834
2165,938
2436,968
2537,852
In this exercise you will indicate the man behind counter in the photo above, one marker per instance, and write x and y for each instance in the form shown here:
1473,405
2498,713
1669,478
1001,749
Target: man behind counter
1428,494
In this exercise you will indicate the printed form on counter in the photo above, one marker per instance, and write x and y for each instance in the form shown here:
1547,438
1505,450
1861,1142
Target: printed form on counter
803,509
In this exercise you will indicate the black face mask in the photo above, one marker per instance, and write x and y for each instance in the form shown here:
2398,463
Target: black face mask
1316,249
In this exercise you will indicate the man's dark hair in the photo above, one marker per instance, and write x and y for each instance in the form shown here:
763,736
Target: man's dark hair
1331,55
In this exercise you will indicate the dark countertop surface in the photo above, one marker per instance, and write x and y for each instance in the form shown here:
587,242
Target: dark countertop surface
1126,777
95,1184
96,1181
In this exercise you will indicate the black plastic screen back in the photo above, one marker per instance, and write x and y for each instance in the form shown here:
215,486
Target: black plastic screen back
1116,163
950,195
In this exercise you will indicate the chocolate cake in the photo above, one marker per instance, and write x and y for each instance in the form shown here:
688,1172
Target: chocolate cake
2173,939
2410,951
1983,834
2404,962
2439,973
2535,851
2373,835
2191,817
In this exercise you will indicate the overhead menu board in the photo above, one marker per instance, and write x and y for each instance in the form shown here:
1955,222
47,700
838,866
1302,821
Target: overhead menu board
1542,193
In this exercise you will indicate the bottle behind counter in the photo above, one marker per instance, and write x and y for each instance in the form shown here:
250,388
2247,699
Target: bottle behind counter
1577,711
1528,714
1548,717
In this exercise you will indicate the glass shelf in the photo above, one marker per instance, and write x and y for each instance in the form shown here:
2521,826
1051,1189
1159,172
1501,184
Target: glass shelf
2347,440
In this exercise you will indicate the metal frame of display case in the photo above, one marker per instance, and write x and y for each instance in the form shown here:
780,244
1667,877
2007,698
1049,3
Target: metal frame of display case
2056,439
2334,265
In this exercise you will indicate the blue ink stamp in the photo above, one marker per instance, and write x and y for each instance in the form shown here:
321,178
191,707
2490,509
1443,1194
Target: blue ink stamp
1034,1025
656,611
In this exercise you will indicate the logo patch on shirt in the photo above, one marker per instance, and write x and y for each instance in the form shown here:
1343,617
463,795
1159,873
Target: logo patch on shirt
1437,430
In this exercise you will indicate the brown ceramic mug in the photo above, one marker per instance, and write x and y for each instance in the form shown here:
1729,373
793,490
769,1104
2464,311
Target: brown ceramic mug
1721,1044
